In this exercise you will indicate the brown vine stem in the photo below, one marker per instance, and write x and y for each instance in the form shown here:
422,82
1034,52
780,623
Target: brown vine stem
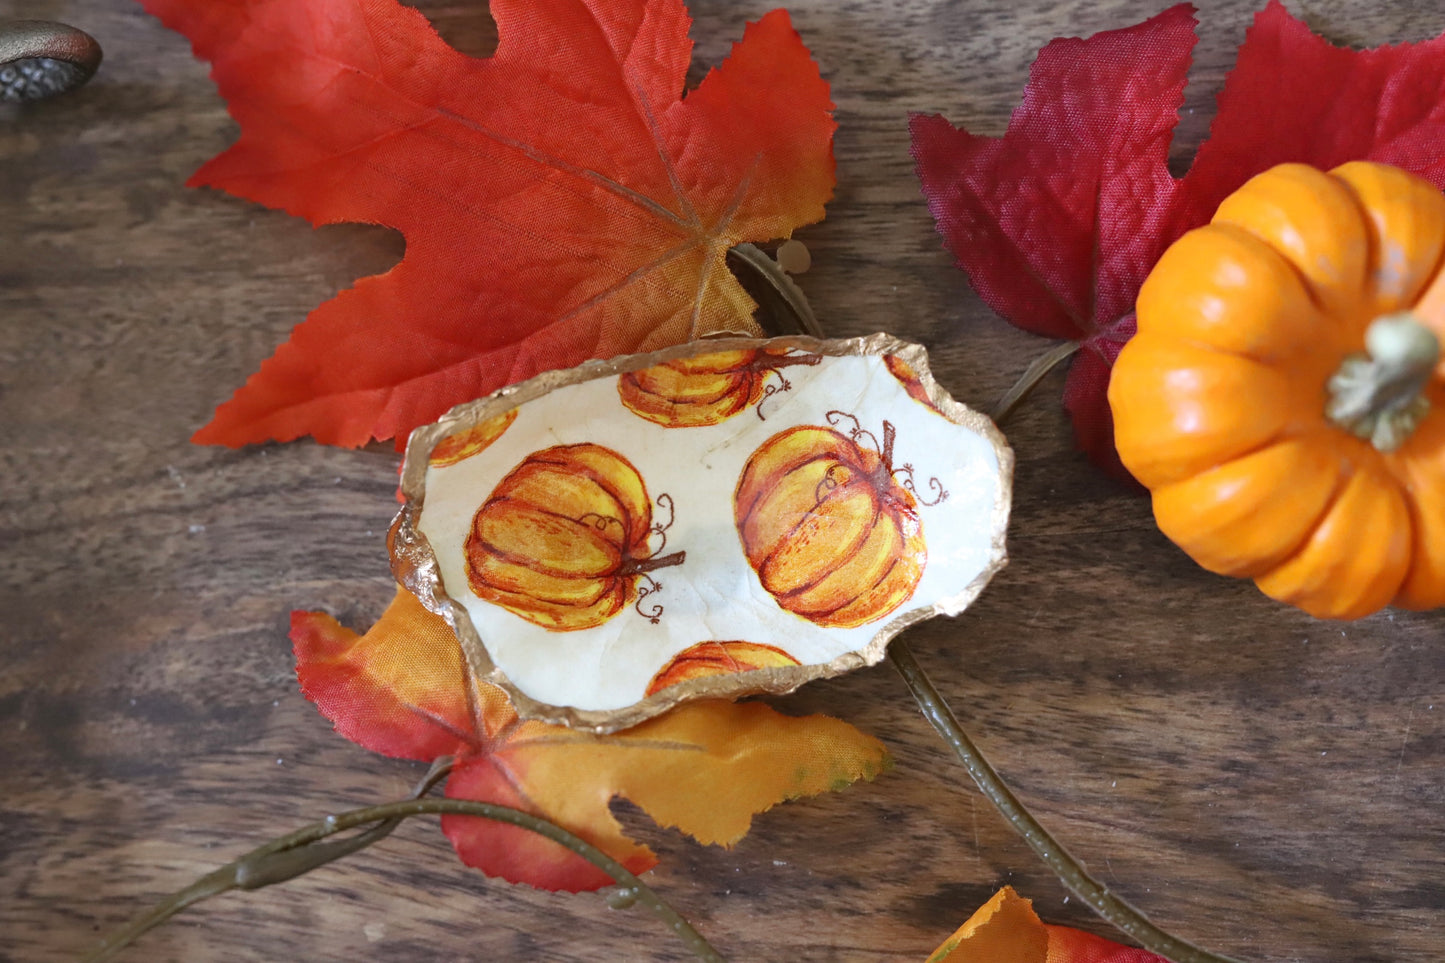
306,849
274,862
1032,375
1069,870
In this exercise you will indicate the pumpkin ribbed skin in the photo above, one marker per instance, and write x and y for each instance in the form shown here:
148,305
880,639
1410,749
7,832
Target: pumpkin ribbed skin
833,537
706,389
464,444
563,538
709,659
1219,400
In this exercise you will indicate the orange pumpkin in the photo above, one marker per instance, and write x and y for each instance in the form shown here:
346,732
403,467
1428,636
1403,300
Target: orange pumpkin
718,658
707,389
1284,398
465,444
831,533
563,539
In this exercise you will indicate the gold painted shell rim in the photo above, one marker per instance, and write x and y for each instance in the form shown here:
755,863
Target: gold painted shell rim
415,566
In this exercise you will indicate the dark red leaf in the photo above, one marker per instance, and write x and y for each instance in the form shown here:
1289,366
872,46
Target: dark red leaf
1293,96
1058,222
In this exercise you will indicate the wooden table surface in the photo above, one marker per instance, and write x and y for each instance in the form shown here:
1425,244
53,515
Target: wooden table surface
1265,784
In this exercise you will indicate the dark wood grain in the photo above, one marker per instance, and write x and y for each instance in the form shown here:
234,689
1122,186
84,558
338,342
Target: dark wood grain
1265,784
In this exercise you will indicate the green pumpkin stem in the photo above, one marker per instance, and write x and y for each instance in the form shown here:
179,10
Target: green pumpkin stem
1379,394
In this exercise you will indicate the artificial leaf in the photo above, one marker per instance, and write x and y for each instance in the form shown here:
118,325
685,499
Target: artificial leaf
706,767
1293,96
1007,930
561,200
1058,222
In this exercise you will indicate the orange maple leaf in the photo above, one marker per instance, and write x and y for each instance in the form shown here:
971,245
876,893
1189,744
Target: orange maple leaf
1007,930
561,200
403,689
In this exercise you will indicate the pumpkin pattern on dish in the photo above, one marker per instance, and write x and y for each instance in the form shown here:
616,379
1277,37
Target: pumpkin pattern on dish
566,539
718,658
708,389
829,525
470,441
910,379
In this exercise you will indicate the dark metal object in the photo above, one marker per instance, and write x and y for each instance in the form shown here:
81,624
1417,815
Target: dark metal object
782,307
40,59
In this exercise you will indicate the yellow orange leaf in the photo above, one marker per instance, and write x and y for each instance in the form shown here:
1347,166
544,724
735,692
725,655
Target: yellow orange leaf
705,767
1004,930
1007,930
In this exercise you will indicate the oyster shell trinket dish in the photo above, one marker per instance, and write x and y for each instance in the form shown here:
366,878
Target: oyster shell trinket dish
723,518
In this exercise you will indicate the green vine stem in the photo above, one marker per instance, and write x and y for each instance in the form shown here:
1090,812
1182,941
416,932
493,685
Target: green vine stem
274,862
1096,895
788,312
306,849
1032,375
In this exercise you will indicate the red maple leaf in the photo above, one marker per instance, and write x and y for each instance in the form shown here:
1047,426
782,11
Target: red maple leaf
403,689
1058,222
561,200
1293,96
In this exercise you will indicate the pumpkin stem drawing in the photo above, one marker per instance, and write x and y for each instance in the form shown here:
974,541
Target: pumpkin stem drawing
770,364
831,533
564,540
903,474
642,566
706,390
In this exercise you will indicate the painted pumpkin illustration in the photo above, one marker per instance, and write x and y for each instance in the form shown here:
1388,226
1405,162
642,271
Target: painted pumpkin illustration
718,658
707,389
909,379
465,444
832,533
563,540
